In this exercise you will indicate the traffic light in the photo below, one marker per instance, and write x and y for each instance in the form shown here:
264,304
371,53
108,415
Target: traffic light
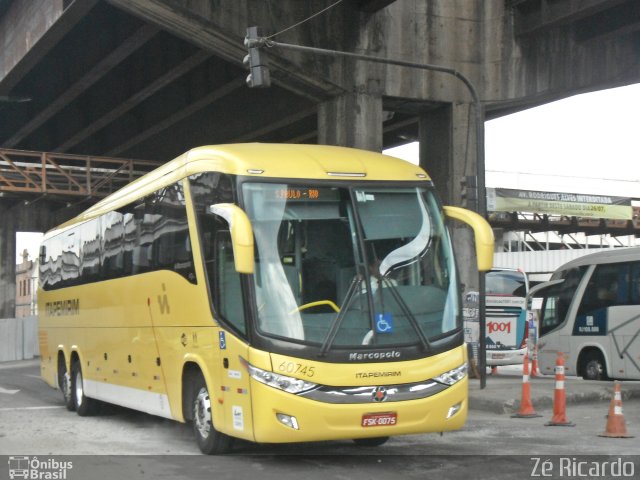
469,192
259,76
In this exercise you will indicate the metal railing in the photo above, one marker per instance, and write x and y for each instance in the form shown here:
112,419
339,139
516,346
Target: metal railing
46,173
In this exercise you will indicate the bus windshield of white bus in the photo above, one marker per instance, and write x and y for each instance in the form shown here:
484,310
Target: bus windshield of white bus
340,267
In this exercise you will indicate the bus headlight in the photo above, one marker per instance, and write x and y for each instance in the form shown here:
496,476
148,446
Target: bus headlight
452,376
281,382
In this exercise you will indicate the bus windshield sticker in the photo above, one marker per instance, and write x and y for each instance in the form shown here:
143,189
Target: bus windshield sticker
384,323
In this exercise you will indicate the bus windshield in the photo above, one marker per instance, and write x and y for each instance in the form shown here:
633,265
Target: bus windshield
506,282
349,267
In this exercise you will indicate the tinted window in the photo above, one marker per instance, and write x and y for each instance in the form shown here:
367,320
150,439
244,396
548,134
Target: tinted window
228,290
171,242
112,236
215,242
150,234
506,283
635,284
611,285
70,259
557,300
89,236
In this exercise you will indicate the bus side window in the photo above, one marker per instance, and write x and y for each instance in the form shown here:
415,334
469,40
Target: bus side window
607,287
171,241
635,284
228,289
70,259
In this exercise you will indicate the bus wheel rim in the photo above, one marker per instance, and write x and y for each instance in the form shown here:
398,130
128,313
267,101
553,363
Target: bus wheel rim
66,385
202,413
79,389
594,369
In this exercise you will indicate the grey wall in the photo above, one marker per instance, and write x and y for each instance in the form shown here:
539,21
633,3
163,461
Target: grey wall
18,339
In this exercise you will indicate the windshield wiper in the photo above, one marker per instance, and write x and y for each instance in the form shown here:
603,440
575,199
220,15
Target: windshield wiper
424,341
335,325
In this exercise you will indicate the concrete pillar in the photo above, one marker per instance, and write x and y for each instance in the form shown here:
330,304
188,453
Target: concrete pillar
351,120
38,216
448,153
7,264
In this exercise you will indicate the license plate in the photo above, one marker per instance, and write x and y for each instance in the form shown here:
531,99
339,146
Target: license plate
498,356
379,419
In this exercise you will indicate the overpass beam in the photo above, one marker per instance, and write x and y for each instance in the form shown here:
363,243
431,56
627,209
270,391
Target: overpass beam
351,120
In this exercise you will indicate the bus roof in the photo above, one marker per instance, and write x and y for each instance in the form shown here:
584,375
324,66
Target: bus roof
262,160
621,254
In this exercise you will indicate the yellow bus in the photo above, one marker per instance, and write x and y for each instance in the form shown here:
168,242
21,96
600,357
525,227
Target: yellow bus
273,293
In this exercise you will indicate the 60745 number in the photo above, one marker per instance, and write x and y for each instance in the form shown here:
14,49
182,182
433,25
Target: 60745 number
292,367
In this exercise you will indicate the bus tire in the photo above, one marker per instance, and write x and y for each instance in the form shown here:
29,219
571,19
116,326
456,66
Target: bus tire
64,384
370,442
210,440
84,405
593,366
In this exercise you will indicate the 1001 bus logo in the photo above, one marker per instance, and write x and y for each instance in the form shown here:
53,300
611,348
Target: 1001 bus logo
35,469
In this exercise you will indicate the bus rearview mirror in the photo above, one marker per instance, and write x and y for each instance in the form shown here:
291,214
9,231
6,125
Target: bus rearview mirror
241,234
482,231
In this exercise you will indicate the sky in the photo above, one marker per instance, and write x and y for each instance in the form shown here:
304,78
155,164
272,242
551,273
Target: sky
587,143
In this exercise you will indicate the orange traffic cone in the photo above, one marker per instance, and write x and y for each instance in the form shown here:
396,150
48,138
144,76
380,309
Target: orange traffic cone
526,407
615,420
494,370
559,418
534,361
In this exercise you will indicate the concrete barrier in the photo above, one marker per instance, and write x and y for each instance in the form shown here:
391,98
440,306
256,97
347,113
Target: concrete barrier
19,339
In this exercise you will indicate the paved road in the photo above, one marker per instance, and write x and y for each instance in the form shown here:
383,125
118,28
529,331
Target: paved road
33,421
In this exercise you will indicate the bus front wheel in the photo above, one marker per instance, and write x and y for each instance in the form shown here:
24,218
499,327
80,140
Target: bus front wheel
593,367
84,406
210,441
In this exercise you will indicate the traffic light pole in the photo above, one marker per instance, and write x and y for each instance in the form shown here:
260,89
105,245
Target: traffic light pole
252,41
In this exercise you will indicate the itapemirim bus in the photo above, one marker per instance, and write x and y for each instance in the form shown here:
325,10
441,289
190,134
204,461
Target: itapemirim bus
232,287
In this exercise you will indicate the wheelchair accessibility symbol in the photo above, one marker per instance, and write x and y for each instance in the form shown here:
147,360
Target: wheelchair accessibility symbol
384,323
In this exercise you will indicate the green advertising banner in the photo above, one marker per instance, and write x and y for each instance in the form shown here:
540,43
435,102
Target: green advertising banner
555,203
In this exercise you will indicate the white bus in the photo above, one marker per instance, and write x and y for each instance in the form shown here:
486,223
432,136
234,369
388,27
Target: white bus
506,330
590,311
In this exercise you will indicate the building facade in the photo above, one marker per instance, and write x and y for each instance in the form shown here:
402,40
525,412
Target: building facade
26,287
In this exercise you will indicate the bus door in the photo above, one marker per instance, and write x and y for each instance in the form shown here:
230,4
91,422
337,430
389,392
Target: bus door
556,298
234,395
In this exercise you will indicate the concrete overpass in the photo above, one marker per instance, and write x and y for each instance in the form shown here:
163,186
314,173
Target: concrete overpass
150,79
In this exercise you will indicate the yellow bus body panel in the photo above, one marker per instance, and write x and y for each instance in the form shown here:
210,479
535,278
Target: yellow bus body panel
326,421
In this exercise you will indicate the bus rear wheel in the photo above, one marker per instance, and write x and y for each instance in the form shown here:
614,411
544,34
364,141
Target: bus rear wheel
64,383
210,441
370,442
84,405
593,367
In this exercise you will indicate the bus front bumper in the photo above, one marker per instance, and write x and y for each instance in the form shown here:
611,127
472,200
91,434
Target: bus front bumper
505,357
315,421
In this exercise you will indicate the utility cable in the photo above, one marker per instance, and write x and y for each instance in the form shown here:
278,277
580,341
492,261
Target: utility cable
306,19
